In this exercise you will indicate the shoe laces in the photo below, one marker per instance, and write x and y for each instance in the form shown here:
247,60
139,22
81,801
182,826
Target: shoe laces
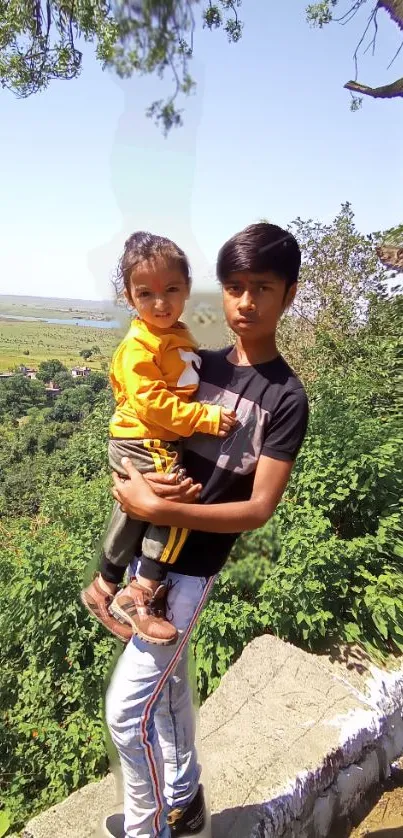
174,815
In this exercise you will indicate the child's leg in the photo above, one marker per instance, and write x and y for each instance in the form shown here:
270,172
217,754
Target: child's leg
161,548
142,602
123,533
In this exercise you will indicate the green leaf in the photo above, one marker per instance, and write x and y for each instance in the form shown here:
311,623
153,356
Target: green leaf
5,821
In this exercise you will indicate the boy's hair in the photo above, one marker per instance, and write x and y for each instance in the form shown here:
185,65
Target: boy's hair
259,248
146,248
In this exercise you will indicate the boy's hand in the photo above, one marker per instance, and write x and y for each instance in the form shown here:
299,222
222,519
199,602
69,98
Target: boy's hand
227,421
165,486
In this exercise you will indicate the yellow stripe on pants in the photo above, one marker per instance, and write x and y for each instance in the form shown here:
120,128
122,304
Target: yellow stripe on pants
171,551
178,548
169,545
156,456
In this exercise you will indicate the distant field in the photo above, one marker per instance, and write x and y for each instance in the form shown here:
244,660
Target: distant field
44,340
56,308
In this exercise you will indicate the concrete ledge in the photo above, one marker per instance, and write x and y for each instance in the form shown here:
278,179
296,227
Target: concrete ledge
290,743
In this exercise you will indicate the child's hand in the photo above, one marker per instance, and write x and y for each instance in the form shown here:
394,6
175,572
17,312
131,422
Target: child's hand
227,421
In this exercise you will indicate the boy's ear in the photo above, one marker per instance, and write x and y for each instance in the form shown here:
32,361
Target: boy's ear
290,296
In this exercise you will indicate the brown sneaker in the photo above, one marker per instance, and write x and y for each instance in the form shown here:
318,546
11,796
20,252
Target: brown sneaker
145,611
97,602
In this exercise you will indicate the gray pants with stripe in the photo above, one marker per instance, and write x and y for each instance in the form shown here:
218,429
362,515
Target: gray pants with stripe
127,537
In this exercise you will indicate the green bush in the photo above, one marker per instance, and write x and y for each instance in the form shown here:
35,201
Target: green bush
54,658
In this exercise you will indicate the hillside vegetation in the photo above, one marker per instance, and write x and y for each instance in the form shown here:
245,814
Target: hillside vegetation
327,567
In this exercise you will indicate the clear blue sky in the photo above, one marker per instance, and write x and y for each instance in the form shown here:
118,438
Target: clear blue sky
268,133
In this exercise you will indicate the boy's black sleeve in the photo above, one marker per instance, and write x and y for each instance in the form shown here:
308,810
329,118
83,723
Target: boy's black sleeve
287,427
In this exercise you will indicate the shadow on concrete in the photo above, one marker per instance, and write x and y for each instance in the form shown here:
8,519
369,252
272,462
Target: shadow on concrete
238,822
352,656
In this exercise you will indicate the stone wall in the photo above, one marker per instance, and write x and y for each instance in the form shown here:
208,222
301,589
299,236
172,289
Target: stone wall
289,742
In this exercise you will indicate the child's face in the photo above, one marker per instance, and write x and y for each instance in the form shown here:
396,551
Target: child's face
253,303
158,293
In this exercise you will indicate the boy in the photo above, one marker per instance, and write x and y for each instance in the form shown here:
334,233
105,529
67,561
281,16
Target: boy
149,701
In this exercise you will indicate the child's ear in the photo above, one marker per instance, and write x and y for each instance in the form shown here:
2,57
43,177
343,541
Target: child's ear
128,298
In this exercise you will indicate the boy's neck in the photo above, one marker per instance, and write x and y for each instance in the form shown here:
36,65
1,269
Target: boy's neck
248,353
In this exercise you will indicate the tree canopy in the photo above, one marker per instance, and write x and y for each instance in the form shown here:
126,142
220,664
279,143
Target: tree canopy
41,41
47,370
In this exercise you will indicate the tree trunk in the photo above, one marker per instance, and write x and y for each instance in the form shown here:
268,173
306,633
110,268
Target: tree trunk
391,257
395,9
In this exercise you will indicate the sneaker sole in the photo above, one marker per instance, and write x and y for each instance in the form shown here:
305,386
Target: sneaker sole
120,615
93,614
113,826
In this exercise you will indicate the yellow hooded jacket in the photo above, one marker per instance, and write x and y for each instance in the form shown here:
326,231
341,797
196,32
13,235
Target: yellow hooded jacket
153,376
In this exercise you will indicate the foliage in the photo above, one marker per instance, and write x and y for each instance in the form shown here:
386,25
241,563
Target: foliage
4,821
18,394
48,370
40,42
42,451
54,657
340,270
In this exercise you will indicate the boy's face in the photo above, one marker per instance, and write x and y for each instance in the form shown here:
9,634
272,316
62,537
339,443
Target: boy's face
158,293
254,303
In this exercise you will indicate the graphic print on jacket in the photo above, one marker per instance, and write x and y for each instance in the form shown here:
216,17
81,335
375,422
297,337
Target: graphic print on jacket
153,377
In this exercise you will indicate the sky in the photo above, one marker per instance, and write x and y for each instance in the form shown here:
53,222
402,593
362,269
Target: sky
268,133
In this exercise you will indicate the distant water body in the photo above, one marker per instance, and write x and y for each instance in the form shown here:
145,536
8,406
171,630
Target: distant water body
96,324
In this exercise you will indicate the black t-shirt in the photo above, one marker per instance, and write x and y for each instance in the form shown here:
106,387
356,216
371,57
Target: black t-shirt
272,411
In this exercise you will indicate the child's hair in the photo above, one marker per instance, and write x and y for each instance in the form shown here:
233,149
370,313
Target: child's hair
259,248
146,248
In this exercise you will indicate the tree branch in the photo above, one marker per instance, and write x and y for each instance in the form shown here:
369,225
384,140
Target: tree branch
370,19
350,13
395,55
372,42
386,91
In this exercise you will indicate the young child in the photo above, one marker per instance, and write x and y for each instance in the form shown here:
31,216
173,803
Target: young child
153,377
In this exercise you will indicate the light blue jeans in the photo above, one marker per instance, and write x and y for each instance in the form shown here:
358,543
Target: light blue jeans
150,715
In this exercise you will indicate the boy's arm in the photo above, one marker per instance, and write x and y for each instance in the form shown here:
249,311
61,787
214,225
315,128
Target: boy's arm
138,500
154,403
